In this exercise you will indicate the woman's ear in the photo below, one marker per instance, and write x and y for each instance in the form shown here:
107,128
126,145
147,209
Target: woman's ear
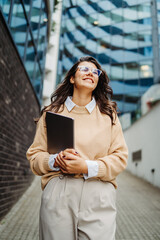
72,80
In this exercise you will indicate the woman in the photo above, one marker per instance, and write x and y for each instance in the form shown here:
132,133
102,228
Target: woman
78,200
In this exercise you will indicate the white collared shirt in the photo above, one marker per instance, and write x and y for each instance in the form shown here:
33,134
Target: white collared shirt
70,104
92,165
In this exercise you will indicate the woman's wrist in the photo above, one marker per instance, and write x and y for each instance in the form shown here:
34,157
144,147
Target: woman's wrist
85,168
55,164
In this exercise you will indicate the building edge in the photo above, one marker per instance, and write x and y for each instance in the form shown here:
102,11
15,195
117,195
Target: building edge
18,107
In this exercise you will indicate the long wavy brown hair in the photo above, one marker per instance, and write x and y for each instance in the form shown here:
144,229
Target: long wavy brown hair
102,93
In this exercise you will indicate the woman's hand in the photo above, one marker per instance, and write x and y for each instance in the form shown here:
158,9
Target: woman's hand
70,162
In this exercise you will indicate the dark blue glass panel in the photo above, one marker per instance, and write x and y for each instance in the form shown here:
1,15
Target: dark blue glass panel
37,82
5,7
27,5
30,58
19,27
42,37
35,18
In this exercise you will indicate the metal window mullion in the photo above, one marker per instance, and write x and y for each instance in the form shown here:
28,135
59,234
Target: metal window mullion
38,36
42,72
34,71
29,25
27,20
25,45
27,33
155,43
36,52
24,10
10,12
45,49
44,56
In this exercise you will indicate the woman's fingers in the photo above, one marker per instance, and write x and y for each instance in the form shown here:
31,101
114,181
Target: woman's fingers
71,150
60,161
70,156
64,159
61,155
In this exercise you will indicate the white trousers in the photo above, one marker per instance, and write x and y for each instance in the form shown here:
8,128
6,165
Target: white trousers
78,209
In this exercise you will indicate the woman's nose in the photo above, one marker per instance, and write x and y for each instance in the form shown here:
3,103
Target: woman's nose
90,72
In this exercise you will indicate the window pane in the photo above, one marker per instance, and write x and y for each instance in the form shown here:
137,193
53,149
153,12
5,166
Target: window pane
27,4
5,5
146,69
131,71
92,20
116,15
116,72
35,18
19,27
37,83
30,58
42,36
104,19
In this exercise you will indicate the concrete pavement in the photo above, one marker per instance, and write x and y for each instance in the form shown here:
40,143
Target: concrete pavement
138,218
138,205
21,223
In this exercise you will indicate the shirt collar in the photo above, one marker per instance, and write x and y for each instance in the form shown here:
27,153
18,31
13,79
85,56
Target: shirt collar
70,104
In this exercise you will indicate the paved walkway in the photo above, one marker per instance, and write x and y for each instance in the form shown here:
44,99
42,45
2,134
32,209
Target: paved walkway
138,218
138,205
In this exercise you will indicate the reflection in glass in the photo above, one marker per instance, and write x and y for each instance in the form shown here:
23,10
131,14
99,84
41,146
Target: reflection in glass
70,25
130,14
72,12
79,35
92,20
116,72
35,17
144,11
27,5
37,82
104,19
80,21
19,27
130,27
146,69
105,5
29,37
131,71
42,37
30,58
116,15
145,38
131,41
5,5
79,49
118,34
91,45
104,44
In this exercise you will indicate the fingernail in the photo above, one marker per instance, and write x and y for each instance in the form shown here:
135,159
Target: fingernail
76,152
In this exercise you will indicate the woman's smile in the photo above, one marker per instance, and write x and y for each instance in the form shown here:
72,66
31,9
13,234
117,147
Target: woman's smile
89,79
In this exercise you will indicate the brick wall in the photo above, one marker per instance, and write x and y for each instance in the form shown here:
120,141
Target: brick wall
18,107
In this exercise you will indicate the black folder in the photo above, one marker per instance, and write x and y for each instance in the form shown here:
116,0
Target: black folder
60,132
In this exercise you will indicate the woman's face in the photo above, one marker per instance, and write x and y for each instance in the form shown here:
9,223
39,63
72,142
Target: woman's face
86,76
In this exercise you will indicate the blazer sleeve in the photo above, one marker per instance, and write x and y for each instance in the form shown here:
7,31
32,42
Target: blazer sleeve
116,160
37,153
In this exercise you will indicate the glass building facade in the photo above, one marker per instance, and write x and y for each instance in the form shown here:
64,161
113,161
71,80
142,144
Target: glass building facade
158,17
119,35
28,24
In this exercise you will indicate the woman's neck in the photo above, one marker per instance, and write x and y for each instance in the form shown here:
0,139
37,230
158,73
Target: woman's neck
81,99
